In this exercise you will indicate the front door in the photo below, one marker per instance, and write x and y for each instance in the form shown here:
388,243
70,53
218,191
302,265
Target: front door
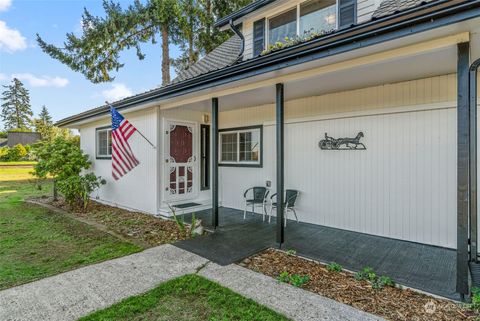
180,160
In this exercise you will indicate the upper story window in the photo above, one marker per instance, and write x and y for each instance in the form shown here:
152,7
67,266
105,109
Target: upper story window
309,18
317,16
282,26
314,16
104,143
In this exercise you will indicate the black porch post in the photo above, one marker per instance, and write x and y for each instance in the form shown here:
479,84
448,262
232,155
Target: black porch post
463,163
473,160
280,164
215,162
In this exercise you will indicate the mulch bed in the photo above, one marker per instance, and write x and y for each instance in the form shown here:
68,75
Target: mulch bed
141,227
391,303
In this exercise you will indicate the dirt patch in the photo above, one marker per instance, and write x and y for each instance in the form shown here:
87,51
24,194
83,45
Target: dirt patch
388,302
136,226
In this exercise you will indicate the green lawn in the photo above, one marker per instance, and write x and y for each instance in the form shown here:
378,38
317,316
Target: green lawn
188,298
35,243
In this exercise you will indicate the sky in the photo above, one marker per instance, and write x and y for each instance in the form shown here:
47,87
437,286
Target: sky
51,83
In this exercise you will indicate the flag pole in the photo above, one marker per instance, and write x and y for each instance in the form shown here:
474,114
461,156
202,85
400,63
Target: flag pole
136,130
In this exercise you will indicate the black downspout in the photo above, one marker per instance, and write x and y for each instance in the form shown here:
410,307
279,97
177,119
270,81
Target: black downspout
280,163
463,163
240,35
473,161
215,162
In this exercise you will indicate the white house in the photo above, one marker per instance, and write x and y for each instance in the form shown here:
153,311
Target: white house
397,71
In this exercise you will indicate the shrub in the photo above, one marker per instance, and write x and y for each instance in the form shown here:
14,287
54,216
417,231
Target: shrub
3,153
77,188
377,282
291,252
61,159
293,279
475,304
15,153
334,267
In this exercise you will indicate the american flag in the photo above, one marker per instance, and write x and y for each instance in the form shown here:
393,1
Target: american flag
123,159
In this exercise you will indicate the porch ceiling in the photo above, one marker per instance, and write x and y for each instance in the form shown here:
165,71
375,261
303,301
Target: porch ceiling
430,63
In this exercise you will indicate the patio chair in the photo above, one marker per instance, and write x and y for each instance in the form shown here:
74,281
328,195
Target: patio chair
291,196
256,198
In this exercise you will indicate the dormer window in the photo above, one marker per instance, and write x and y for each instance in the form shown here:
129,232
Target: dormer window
282,26
311,17
314,16
318,16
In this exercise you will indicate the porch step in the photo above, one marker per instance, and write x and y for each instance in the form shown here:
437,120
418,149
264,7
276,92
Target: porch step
165,210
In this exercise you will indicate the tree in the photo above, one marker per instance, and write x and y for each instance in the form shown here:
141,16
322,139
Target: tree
44,116
59,159
96,53
197,37
186,23
16,110
44,125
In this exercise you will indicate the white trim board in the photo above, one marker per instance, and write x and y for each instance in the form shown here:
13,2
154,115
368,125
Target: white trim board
366,113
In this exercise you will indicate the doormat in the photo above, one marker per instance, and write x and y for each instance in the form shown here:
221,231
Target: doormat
186,205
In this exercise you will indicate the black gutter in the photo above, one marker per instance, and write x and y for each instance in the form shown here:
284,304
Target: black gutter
363,35
255,5
242,38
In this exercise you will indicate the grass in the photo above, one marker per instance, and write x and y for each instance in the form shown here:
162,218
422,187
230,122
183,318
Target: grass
188,298
20,163
35,242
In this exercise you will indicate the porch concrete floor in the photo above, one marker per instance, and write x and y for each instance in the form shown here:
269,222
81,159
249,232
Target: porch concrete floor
424,267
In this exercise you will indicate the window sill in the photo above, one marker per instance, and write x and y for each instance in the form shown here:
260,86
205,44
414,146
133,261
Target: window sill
103,157
241,165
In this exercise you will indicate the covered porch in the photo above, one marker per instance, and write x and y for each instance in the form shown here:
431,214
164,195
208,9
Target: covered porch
427,268
388,207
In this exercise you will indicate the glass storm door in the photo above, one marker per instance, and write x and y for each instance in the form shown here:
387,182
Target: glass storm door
180,160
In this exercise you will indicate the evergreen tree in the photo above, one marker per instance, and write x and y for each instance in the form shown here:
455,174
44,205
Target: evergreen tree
16,110
44,125
186,23
45,117
96,53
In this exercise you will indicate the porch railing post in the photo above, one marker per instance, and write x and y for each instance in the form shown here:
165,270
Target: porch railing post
215,162
280,117
463,162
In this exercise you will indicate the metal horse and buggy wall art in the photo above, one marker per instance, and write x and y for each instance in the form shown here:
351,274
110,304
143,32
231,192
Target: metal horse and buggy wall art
330,143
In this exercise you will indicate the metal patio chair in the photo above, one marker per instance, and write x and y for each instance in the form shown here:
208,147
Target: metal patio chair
291,196
256,198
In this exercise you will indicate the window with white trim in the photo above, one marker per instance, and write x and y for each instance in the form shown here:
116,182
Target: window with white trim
104,143
314,16
241,146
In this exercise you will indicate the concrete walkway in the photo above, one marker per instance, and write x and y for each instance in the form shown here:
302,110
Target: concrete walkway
73,294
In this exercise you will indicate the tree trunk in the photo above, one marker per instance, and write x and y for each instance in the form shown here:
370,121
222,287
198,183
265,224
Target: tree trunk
55,192
191,54
208,26
165,56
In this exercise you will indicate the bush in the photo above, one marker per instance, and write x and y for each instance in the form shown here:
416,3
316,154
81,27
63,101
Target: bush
60,159
377,282
334,267
293,279
13,154
77,188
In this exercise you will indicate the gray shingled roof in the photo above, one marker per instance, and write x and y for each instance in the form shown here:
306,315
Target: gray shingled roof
389,7
224,55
